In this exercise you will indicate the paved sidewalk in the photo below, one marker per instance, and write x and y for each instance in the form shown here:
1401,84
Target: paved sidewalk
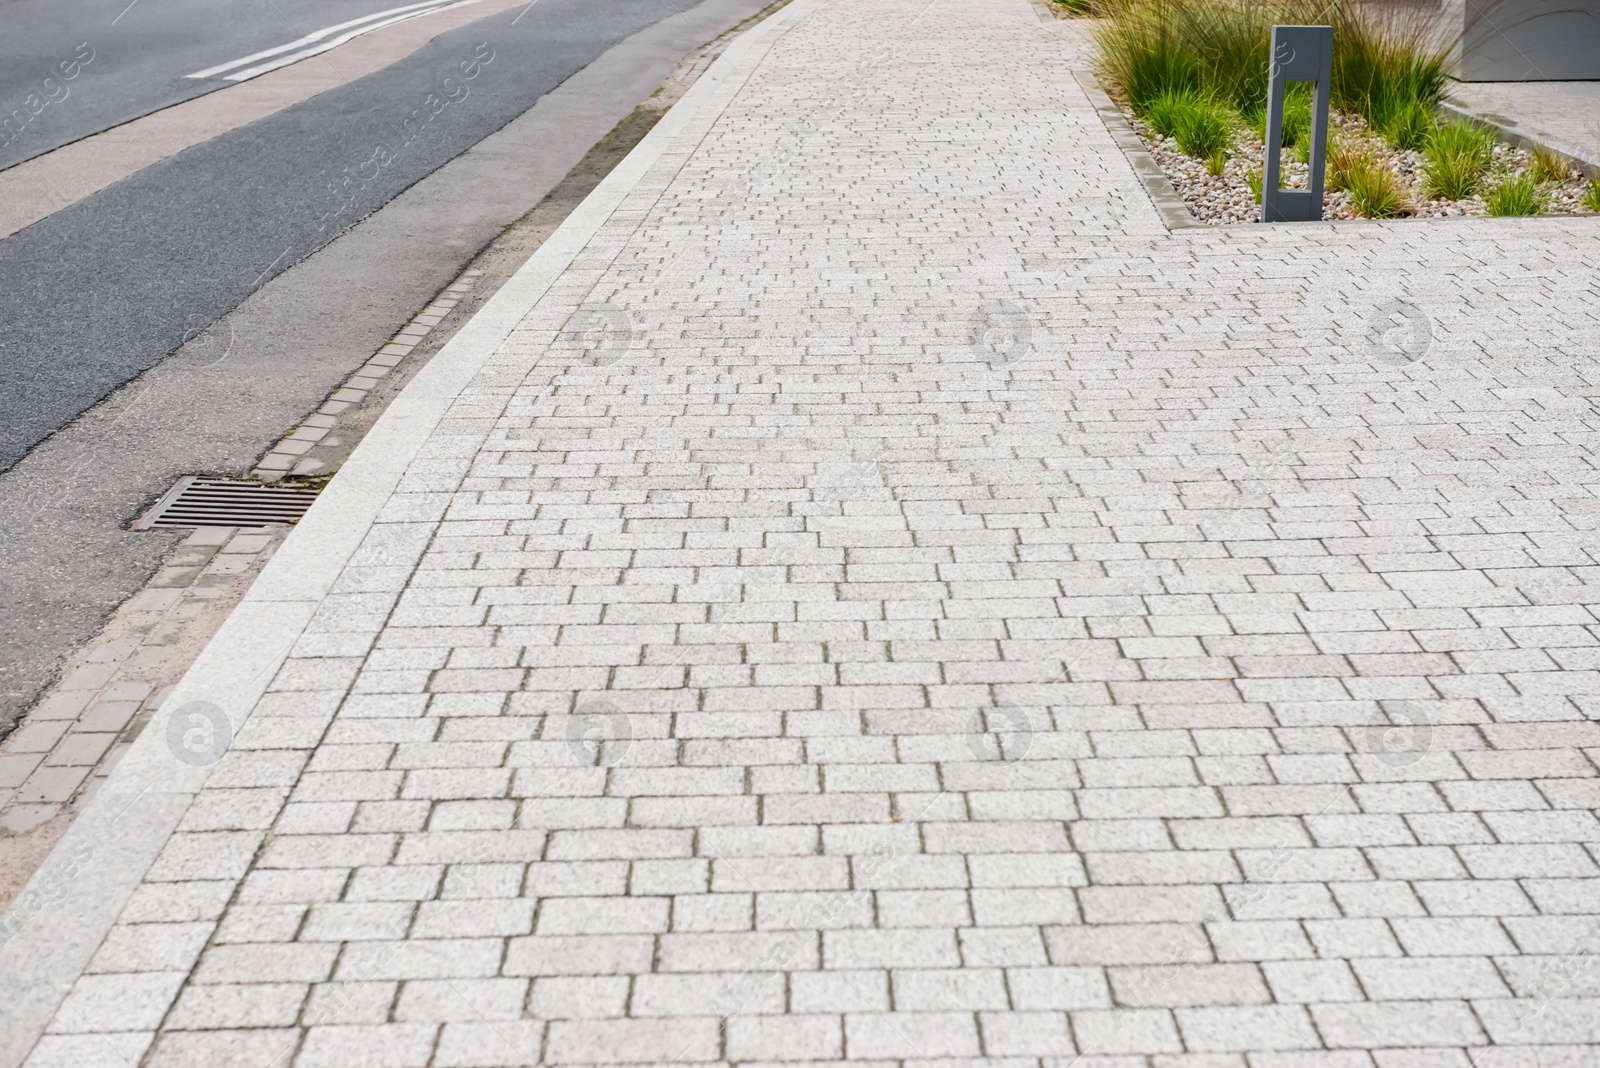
1561,115
866,591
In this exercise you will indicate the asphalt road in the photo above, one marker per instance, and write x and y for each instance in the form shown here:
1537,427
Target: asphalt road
105,289
67,558
71,68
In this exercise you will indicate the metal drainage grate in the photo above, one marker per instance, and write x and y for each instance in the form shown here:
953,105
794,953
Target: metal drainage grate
224,502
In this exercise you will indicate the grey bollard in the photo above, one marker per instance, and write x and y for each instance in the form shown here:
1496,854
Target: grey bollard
1299,54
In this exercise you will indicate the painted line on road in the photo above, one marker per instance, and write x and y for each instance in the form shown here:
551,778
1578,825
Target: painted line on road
267,68
317,42
39,187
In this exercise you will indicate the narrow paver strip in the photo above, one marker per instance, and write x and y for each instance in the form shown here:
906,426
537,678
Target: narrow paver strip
882,596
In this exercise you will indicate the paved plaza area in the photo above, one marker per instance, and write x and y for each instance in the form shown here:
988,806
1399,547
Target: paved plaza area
1565,115
869,592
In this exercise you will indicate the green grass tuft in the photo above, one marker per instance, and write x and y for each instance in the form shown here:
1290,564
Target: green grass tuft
1204,130
1591,194
1387,66
1515,195
1406,124
1458,153
1161,111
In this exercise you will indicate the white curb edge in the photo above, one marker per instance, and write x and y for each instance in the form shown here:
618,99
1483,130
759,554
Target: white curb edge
64,913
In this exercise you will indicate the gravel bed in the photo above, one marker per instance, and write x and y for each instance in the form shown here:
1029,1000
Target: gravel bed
1226,198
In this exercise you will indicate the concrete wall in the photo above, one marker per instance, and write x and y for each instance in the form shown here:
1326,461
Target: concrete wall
1530,40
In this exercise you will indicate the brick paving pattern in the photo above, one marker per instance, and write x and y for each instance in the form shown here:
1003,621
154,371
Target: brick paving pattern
944,617
72,741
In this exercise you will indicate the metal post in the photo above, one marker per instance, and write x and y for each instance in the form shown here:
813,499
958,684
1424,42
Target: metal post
1299,54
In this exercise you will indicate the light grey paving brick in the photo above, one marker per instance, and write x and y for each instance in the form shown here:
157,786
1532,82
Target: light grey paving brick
1110,1031
266,963
1127,944
117,1003
572,997
1025,1034
947,989
1567,859
257,1046
244,1005
1426,1023
1260,1027
1450,828
740,951
1130,904
1476,897
839,991
577,955
426,1000
905,948
1057,988
466,958
350,1002
1185,982
1307,981
357,921
474,1043
1561,895
1379,898
797,1037
908,1034
1259,940
1391,979
1358,938
1554,934
916,908
1451,937
386,1045
758,992
1002,947
722,912
405,882
603,915
663,1041
150,947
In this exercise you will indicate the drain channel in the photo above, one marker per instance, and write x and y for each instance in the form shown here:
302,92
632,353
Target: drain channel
225,502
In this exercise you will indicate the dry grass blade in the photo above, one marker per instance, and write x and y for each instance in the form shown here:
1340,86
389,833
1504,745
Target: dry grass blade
1375,190
1549,165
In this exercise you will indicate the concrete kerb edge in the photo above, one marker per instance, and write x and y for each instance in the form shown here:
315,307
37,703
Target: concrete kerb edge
64,913
1168,204
1514,133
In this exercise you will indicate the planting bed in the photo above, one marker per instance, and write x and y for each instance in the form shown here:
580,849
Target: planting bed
1229,198
1193,77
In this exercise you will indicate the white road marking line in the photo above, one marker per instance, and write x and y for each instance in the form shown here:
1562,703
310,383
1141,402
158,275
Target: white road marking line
253,72
311,38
